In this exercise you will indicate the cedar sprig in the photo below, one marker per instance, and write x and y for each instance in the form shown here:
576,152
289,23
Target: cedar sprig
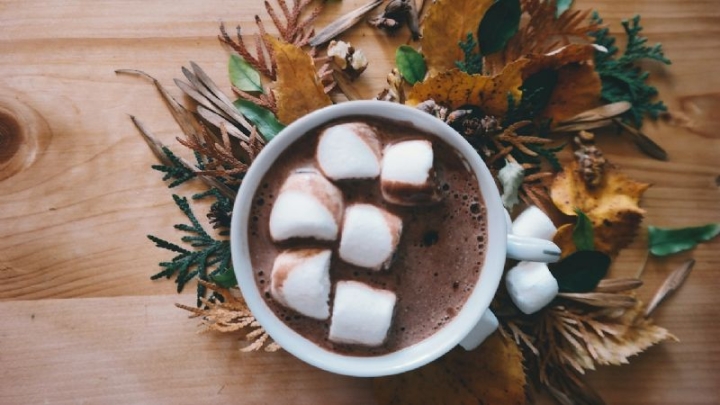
218,159
294,30
174,168
264,65
472,62
228,312
208,256
622,79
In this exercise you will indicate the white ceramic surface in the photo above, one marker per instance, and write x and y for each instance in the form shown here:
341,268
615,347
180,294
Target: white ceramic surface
411,357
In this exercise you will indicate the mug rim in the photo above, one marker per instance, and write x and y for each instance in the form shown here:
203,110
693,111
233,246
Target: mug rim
422,352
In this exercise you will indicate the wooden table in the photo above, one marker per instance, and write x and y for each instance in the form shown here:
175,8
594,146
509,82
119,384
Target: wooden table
80,321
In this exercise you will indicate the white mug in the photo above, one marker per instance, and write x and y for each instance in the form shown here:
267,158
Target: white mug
499,246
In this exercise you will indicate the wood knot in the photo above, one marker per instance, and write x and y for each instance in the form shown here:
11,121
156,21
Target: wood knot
23,133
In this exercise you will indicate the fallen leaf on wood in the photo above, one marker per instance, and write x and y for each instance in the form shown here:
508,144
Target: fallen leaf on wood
491,374
447,23
298,89
454,89
671,283
612,206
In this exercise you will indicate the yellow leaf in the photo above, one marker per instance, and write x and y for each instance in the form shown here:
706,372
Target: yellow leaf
455,88
490,374
447,23
298,90
612,207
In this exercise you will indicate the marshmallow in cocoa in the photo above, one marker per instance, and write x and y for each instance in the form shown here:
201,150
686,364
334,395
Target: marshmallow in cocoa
349,151
407,175
300,280
307,206
361,314
369,237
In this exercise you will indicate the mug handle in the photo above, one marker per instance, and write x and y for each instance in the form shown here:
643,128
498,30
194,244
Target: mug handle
532,249
528,248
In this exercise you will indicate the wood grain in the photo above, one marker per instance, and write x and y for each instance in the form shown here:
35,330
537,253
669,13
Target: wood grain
80,321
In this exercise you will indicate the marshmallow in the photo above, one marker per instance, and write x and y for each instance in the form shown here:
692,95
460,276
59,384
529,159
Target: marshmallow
534,223
369,237
407,176
487,324
349,151
531,286
308,206
361,314
300,280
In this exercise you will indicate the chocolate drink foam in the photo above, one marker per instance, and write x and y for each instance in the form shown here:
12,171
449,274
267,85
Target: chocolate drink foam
438,259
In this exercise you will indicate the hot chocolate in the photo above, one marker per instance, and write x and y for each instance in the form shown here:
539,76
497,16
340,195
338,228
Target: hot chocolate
437,260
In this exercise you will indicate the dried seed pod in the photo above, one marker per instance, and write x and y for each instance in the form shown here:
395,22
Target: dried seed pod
591,162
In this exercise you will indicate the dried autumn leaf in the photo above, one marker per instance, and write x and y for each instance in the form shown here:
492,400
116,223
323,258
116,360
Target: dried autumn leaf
638,335
612,207
447,23
455,88
231,314
298,89
490,374
577,90
578,86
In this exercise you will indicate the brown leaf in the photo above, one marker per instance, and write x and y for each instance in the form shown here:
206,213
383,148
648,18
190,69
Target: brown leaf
455,88
671,283
543,32
298,89
601,113
612,207
601,300
640,334
448,22
577,89
490,374
613,285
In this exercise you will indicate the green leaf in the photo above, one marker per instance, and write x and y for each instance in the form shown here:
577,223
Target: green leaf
224,277
562,6
262,118
499,24
538,88
243,76
583,232
666,241
581,271
410,63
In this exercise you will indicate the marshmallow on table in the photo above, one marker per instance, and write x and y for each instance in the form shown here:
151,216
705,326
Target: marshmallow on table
487,324
531,286
407,176
533,222
369,236
307,206
361,314
349,151
300,280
